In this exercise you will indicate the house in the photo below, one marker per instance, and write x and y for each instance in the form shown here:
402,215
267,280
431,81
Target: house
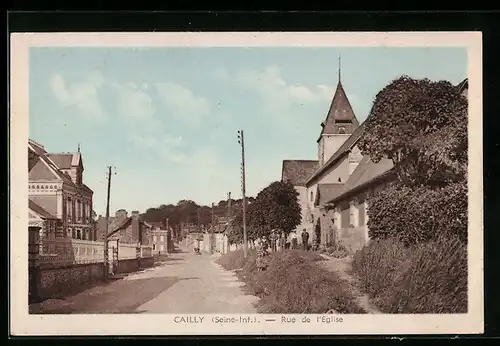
161,239
334,190
49,225
55,184
126,229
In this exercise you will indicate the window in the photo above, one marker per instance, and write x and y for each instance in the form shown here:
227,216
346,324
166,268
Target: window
341,130
154,238
311,196
79,234
154,247
162,248
162,238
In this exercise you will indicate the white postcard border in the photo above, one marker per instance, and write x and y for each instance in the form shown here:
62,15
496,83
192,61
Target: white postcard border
161,324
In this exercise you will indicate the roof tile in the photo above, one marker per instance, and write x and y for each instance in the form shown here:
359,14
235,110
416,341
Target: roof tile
298,171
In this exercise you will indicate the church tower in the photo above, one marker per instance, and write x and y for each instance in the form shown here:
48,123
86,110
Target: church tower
339,124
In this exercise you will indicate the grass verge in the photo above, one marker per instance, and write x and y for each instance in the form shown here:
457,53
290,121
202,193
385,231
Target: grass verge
425,278
292,283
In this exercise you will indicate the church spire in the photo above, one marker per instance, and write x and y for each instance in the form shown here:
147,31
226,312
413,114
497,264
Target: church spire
339,67
78,147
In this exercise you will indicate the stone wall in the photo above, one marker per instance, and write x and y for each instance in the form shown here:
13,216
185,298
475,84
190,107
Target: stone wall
128,266
55,281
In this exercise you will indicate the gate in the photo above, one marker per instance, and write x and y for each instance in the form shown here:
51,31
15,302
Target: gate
113,256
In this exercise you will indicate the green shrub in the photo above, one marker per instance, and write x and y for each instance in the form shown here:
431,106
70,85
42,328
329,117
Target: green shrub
425,278
235,259
294,283
419,215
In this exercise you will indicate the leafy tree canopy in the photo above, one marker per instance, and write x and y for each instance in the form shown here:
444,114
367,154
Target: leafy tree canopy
275,207
422,126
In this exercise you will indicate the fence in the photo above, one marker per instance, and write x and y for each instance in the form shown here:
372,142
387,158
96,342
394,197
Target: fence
146,251
70,251
127,251
64,251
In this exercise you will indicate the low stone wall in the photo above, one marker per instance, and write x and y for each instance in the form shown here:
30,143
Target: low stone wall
146,262
55,281
128,266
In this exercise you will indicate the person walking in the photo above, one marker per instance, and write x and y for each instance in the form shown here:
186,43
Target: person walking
305,240
274,240
261,254
293,237
282,241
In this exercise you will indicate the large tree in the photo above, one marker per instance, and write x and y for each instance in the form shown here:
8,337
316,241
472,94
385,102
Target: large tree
275,207
422,126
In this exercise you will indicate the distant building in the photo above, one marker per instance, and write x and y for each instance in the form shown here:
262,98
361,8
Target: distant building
56,188
126,229
161,239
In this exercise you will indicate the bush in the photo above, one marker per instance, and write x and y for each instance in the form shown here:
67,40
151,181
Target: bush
294,283
235,259
418,215
423,278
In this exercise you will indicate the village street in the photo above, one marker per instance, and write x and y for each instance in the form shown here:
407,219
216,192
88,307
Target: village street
185,283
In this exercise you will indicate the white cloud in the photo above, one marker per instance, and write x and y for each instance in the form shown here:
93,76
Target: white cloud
165,145
182,103
273,88
133,103
83,95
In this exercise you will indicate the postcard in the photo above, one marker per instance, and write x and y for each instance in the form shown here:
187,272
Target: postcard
230,183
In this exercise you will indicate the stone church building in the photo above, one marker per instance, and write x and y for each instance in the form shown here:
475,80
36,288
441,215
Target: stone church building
334,189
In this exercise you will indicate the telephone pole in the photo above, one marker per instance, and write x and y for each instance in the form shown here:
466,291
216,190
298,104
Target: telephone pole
106,259
213,218
241,141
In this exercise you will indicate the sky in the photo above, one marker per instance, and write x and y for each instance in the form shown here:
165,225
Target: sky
167,118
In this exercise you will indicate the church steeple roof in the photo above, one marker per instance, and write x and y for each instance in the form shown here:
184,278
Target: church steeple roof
340,112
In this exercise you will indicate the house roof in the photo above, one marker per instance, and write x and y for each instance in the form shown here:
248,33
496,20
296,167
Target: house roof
37,209
344,149
297,171
327,192
366,172
44,156
340,110
63,161
114,224
33,158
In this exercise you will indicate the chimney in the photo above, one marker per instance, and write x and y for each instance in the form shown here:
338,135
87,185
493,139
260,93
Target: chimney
136,231
134,213
121,214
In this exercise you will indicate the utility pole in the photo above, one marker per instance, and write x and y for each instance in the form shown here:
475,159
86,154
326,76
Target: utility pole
212,239
213,218
106,259
241,141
